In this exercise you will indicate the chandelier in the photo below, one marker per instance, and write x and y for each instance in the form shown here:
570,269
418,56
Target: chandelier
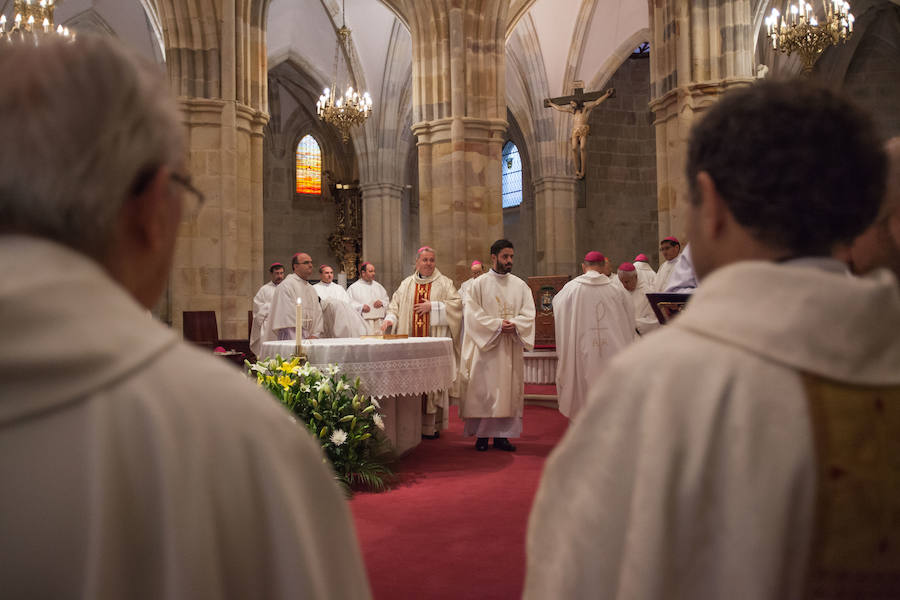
351,108
800,31
33,18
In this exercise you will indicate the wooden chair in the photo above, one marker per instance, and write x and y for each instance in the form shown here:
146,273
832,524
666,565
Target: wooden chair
202,328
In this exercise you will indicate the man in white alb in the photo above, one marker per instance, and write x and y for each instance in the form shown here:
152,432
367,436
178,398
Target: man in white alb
499,328
759,459
369,297
669,247
593,321
133,464
284,304
261,330
427,305
645,319
340,317
645,272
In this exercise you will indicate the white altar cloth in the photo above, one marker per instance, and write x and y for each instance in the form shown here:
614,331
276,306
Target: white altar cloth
396,371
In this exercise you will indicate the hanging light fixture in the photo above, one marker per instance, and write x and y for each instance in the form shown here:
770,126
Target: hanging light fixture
351,108
33,19
799,30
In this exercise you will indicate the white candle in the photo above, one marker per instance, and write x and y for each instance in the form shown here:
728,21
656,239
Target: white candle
299,322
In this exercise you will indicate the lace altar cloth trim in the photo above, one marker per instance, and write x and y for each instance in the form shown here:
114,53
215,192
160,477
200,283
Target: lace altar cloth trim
384,367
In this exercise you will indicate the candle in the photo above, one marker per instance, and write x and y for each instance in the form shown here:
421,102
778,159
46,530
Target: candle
299,322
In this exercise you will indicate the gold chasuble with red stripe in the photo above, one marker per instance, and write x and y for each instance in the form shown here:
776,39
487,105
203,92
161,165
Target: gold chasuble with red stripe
421,324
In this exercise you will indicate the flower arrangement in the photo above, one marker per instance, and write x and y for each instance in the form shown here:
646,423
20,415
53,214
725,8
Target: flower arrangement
332,409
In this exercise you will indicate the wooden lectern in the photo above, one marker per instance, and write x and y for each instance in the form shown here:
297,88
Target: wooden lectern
543,289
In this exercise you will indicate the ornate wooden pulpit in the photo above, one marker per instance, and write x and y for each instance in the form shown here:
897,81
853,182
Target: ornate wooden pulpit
544,289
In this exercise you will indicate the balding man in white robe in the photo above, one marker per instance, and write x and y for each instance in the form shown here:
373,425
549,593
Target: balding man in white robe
426,304
594,320
284,305
340,317
134,464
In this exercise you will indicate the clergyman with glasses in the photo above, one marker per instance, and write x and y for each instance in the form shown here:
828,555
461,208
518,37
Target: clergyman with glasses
284,304
132,464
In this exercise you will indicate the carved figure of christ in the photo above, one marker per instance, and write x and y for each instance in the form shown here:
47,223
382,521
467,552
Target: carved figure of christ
579,105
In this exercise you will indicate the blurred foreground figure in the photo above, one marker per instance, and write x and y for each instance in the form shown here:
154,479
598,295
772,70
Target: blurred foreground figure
133,465
879,245
759,460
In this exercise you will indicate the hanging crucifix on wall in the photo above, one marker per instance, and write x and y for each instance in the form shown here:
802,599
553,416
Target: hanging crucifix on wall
580,105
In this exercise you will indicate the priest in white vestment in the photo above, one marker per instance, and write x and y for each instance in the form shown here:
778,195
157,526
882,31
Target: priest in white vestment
759,460
499,328
594,321
427,305
261,329
370,298
682,279
284,305
645,319
327,288
133,464
669,247
340,317
477,270
645,272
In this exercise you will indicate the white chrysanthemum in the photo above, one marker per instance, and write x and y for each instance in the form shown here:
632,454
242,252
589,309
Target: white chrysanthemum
375,403
379,422
338,437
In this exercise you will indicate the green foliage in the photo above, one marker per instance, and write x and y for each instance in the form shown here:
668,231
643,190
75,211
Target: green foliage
344,422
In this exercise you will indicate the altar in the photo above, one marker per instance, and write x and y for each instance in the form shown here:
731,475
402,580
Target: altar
396,372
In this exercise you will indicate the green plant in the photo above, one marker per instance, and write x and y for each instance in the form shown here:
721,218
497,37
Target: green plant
343,421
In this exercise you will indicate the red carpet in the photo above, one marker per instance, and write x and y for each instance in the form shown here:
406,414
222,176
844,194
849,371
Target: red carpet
454,526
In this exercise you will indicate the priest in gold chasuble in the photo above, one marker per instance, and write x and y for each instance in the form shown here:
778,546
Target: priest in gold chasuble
428,305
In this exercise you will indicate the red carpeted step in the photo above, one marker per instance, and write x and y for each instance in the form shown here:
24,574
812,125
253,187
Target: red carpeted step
540,389
454,526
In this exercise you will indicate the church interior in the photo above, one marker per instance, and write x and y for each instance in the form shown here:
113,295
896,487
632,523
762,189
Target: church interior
459,148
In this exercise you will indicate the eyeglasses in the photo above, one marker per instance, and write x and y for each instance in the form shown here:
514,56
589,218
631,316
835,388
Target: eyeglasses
191,207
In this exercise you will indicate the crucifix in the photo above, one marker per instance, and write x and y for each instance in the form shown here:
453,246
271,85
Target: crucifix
580,105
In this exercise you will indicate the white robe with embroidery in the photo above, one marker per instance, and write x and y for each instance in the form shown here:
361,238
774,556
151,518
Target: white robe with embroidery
492,370
364,292
698,480
594,321
284,309
261,331
136,465
446,312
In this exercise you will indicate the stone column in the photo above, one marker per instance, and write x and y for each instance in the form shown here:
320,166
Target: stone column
460,207
216,62
383,232
699,51
554,204
459,117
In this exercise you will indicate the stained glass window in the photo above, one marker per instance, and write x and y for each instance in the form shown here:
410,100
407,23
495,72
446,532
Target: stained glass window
512,176
309,166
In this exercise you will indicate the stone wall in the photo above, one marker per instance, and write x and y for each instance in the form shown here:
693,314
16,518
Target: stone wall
617,210
298,222
873,76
